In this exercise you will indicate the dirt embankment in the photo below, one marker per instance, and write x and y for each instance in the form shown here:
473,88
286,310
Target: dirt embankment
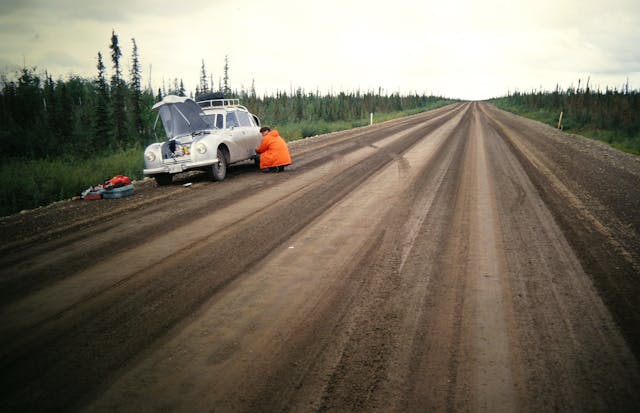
461,259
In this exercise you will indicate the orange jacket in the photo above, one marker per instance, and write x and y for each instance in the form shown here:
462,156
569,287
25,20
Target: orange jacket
273,151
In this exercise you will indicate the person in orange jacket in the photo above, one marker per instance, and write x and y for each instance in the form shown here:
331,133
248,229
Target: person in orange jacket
273,151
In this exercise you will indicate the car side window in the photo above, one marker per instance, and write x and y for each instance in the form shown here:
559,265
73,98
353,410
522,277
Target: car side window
243,118
215,120
232,121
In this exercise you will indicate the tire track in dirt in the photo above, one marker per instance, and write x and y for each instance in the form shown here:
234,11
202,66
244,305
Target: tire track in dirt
152,253
563,329
370,370
105,328
415,266
42,263
493,386
274,343
577,203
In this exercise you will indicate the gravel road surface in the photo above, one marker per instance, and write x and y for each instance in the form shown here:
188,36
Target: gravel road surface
463,259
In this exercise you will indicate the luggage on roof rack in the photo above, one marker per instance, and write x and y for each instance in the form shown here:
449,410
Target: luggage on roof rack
210,96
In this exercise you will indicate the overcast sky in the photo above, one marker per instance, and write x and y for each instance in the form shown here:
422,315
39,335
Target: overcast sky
455,48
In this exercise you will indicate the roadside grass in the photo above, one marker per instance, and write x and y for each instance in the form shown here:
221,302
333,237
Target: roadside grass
299,130
620,141
28,184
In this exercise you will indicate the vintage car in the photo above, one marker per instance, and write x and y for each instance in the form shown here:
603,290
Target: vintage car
207,134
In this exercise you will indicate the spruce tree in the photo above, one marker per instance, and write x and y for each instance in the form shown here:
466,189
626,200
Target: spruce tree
117,94
204,87
102,134
51,112
135,96
226,89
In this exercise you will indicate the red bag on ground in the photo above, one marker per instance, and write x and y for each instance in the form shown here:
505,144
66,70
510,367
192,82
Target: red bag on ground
117,182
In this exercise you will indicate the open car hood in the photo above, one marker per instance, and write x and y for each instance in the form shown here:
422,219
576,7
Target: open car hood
181,116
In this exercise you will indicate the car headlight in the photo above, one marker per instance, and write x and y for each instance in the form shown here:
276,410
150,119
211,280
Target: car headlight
201,148
150,156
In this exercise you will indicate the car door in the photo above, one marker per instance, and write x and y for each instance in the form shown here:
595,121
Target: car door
244,135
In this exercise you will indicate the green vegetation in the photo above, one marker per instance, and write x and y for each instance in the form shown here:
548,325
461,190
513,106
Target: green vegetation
60,137
295,130
31,183
612,116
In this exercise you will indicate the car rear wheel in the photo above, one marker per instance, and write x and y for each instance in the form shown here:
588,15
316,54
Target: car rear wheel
218,171
163,179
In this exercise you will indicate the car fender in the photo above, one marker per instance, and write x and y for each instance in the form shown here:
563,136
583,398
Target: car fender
156,150
235,151
210,142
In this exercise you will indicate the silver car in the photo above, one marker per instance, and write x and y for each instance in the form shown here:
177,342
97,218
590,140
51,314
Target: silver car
207,134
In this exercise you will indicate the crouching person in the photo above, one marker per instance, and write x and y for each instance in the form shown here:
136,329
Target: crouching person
273,151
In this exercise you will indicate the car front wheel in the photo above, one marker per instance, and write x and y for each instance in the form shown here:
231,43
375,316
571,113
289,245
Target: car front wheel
218,171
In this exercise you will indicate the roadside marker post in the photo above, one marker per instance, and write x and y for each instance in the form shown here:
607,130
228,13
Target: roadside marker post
560,121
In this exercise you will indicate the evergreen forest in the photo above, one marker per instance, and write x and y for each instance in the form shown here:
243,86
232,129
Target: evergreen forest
611,115
61,136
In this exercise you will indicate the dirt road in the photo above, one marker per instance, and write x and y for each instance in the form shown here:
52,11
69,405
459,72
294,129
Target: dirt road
464,259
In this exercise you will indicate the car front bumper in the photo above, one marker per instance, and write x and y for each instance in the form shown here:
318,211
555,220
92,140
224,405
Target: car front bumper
175,168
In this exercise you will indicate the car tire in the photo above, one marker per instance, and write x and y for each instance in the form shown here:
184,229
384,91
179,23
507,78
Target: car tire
218,171
163,179
256,161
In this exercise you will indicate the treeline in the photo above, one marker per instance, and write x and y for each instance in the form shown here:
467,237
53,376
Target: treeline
60,136
43,118
301,106
296,106
611,114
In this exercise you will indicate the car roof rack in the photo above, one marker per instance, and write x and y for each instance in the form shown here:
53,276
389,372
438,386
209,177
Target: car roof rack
218,103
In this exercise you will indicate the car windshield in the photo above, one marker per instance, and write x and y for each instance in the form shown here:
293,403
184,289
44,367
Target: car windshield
182,118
